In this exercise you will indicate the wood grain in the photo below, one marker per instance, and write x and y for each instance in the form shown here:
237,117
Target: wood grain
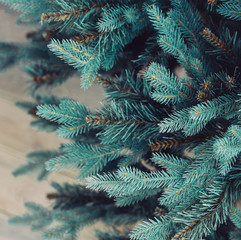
17,138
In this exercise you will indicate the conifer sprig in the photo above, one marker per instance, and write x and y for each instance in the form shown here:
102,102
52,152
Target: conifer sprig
163,148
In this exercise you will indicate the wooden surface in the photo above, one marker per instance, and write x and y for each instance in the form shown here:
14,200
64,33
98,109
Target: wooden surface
17,138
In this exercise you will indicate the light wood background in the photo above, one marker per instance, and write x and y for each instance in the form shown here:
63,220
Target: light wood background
17,138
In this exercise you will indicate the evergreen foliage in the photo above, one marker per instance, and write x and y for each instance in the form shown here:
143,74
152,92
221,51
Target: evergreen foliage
162,149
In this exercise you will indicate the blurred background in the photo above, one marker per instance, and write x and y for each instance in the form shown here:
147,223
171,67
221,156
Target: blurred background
17,138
